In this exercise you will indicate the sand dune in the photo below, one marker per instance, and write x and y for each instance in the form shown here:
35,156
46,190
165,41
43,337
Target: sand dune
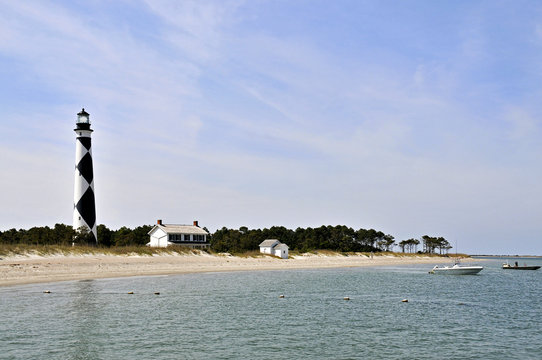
18,270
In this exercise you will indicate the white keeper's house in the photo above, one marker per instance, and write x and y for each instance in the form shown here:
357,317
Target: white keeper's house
274,247
192,236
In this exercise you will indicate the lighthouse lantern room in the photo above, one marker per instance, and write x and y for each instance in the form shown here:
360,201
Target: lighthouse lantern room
83,117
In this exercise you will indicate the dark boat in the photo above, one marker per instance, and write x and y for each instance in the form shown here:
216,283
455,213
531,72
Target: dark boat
517,267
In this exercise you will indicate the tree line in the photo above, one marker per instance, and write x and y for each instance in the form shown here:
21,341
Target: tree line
429,245
65,235
336,238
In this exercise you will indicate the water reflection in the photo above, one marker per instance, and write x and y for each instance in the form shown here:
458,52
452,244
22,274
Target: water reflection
84,313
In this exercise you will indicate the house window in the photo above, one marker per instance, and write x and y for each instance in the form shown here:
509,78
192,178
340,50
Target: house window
175,237
186,237
199,238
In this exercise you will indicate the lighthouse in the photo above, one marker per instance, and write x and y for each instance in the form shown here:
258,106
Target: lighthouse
84,207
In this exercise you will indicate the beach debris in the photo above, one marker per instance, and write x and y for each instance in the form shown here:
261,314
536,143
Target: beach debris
157,293
281,296
346,298
404,300
130,292
47,291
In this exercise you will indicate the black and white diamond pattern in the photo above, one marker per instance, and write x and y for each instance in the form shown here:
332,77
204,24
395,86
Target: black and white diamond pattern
84,212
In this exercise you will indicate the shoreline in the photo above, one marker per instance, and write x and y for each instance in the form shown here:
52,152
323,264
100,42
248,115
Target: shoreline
34,269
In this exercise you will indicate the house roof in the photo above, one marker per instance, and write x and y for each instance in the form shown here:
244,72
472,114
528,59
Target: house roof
269,243
281,245
180,229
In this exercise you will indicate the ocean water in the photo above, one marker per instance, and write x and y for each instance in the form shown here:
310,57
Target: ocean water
493,315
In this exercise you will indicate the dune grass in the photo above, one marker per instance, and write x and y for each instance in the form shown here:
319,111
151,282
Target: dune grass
51,250
249,254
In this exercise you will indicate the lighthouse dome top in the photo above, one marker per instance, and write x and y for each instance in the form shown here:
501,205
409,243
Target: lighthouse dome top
83,117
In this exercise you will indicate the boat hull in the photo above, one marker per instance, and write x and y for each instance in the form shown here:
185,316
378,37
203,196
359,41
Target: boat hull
521,267
457,270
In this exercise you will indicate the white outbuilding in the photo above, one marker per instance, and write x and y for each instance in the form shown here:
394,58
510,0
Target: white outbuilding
266,247
192,236
281,250
274,247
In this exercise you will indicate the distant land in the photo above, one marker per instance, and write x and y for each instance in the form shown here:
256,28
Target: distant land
508,256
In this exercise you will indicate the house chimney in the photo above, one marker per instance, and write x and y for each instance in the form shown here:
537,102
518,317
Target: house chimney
196,223
158,222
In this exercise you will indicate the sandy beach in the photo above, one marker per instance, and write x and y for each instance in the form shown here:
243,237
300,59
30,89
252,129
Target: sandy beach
17,270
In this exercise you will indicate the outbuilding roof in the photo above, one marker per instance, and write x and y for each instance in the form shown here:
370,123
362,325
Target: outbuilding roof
180,229
281,245
269,243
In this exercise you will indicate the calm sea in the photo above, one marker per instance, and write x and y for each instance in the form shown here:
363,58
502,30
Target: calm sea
493,315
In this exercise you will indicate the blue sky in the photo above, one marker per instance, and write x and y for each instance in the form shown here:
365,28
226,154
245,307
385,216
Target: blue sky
410,117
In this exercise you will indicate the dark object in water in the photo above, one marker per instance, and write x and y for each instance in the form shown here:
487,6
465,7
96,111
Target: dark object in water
517,267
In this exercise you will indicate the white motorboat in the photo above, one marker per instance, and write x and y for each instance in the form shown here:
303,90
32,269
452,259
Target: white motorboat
456,269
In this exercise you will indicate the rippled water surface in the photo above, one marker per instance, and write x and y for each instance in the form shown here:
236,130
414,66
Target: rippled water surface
493,315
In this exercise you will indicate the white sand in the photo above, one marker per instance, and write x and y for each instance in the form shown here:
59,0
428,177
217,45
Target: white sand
18,270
